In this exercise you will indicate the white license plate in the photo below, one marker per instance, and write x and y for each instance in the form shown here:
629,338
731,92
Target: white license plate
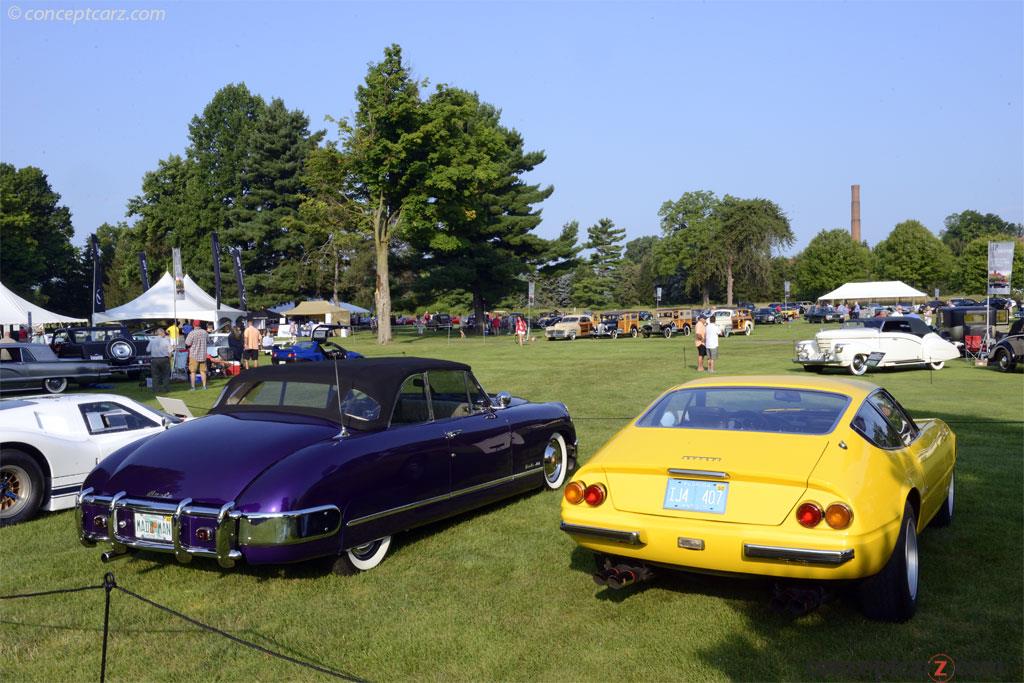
152,527
96,356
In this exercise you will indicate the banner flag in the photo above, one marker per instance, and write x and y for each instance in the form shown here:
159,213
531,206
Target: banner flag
179,276
236,256
215,248
530,290
99,303
1000,267
144,270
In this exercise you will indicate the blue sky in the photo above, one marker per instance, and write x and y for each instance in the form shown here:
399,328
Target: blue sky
634,103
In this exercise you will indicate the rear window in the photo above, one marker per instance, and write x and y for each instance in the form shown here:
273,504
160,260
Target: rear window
318,396
748,409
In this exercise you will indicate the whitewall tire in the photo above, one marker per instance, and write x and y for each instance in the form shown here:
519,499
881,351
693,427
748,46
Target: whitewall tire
362,558
556,462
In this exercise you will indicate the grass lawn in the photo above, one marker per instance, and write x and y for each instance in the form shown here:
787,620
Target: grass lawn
503,594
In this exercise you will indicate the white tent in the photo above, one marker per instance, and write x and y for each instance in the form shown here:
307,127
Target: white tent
159,303
14,311
873,291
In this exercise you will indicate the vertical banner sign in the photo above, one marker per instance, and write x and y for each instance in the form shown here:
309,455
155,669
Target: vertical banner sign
144,270
179,276
531,292
99,303
785,288
236,256
1000,267
657,294
215,248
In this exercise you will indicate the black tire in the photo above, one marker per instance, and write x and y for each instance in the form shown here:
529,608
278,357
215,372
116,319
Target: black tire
21,486
55,385
633,332
686,330
646,333
1003,361
120,351
814,368
615,334
891,594
668,332
362,558
944,517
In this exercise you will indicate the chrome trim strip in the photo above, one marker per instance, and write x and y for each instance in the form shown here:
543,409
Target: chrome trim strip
437,499
698,473
802,555
116,544
627,537
179,549
83,537
280,528
226,533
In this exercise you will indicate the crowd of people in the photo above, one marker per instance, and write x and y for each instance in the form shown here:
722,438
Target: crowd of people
184,347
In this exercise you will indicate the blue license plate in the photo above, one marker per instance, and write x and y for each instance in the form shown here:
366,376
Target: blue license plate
696,496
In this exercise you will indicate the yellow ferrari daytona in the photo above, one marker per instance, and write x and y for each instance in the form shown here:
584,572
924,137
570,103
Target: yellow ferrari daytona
808,478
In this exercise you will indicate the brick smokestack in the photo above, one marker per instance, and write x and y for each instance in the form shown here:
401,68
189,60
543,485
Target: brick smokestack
855,212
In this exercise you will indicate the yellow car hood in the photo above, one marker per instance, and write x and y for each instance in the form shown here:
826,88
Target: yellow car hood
766,472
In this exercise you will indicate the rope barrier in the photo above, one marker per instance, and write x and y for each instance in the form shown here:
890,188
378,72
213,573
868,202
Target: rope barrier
110,584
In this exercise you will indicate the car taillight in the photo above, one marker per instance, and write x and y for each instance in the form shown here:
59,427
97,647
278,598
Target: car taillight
574,492
595,494
809,515
838,515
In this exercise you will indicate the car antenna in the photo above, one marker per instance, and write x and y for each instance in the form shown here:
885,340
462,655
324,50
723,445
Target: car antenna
337,392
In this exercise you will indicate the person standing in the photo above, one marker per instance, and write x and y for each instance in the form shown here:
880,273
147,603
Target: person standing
160,351
186,327
251,346
711,334
698,339
521,331
196,342
236,343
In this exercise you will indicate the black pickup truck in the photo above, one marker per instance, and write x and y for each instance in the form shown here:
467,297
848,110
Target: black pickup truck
124,352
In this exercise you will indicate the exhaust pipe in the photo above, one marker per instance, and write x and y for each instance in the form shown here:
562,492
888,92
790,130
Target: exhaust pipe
619,576
110,556
797,601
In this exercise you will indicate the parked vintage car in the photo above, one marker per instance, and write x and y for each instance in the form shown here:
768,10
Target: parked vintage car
676,321
815,479
639,323
733,321
317,348
570,327
124,352
766,316
956,323
287,467
898,341
1009,349
823,314
48,444
36,366
606,326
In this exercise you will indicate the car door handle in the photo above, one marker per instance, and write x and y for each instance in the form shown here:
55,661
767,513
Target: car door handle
452,434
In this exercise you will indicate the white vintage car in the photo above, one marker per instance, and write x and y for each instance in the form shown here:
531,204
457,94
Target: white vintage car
894,341
48,444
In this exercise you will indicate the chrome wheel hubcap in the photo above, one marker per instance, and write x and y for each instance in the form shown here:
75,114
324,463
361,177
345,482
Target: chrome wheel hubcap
910,550
552,461
365,552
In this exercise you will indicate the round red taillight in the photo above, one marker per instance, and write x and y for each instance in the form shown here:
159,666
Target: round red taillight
809,515
595,494
838,515
574,492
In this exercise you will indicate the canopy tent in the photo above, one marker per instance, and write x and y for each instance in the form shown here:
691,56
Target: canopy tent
316,309
873,291
14,311
352,308
159,303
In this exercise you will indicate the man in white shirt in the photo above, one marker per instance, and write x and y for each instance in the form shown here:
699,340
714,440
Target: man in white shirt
711,334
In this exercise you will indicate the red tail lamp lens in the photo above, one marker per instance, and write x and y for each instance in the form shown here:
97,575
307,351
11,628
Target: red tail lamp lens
574,492
838,515
595,494
809,515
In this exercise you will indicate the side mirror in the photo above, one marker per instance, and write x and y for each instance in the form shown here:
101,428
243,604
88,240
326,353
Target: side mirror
504,399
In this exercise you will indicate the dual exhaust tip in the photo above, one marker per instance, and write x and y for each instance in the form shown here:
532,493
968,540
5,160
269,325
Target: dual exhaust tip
619,576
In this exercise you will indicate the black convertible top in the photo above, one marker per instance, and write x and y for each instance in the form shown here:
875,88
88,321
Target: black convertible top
896,323
378,378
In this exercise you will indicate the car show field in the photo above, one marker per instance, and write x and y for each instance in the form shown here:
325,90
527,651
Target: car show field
502,593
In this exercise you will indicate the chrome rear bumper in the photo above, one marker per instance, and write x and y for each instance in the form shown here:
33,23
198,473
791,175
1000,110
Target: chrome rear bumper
626,537
799,555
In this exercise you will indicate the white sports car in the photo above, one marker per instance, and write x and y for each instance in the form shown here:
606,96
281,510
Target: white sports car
48,444
876,342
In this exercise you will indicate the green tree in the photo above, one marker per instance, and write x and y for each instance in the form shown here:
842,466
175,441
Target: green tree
749,231
595,282
35,232
913,254
689,248
637,274
966,226
385,161
830,259
471,219
970,270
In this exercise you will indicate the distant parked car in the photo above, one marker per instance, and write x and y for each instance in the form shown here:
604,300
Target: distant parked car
900,341
607,326
823,314
963,302
1009,350
765,316
124,352
956,323
50,443
315,349
36,366
570,327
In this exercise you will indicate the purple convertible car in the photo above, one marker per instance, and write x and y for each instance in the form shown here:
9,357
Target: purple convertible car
324,459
